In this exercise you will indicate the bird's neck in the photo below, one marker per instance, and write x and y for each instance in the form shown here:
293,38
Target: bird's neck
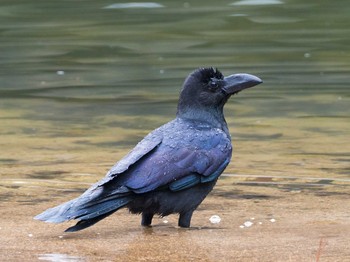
211,116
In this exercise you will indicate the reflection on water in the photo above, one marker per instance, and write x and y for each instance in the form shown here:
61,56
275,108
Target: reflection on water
257,2
82,83
54,257
134,5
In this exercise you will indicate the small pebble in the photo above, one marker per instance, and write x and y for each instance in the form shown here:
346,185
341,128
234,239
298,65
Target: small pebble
248,224
165,221
215,219
30,235
272,220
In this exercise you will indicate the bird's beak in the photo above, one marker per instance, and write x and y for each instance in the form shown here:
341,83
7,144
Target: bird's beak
238,82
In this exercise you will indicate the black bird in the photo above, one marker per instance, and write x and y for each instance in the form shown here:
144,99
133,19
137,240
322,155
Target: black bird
174,167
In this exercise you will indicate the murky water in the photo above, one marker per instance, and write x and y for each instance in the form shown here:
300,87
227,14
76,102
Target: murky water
83,81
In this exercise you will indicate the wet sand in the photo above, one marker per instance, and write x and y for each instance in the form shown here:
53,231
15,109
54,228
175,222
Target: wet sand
283,170
287,225
80,89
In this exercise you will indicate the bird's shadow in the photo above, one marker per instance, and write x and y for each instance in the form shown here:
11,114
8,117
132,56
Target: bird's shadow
239,194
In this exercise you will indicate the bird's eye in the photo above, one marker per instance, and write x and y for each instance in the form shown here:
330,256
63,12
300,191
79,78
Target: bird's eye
213,85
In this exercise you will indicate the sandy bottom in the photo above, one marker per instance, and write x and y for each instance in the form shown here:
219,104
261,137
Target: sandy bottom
257,224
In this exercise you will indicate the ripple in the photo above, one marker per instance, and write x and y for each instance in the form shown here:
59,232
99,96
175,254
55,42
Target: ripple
258,2
275,20
133,5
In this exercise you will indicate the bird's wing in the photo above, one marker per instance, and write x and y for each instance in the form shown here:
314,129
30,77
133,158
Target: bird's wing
179,158
179,168
102,198
144,147
174,156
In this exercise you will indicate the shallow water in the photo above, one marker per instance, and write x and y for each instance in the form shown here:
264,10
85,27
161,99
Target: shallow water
83,82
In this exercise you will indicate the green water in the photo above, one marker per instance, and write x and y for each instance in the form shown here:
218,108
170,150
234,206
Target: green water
83,81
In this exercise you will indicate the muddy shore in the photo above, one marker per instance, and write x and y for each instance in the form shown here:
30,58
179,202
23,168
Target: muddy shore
257,224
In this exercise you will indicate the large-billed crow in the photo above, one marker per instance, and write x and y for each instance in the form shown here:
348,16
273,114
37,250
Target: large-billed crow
174,167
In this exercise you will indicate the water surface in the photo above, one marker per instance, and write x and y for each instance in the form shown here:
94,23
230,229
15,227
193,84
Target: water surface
83,82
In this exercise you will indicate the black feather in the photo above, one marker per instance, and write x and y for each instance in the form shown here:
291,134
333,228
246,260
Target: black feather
82,224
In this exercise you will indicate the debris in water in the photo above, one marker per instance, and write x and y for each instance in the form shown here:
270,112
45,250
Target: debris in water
215,219
248,224
60,72
59,257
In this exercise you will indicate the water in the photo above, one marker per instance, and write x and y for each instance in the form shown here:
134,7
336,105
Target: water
83,82
59,258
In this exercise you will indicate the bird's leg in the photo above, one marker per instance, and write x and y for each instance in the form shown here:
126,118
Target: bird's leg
185,219
146,219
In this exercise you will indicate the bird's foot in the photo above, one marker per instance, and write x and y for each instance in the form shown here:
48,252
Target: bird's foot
146,219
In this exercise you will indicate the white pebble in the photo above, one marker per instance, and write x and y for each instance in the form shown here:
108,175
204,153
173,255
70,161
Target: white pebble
260,223
272,220
241,226
215,219
165,221
30,235
60,236
248,224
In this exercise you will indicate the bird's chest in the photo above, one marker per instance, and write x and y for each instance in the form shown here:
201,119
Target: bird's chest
199,139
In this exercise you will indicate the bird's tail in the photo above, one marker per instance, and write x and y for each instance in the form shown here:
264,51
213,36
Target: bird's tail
88,209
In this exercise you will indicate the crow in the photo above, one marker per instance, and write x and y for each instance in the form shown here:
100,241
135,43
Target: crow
174,167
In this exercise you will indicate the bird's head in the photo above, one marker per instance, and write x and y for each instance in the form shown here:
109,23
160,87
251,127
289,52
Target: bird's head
206,89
